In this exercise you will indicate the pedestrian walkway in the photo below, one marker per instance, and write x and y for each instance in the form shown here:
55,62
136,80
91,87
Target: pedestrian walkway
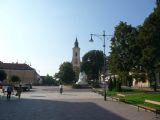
129,112
45,103
4,96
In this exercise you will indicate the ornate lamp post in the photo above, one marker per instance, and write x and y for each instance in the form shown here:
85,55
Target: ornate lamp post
102,37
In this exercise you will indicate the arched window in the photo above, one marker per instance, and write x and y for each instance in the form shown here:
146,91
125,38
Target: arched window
76,54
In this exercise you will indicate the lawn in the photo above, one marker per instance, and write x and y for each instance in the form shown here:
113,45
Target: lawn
136,96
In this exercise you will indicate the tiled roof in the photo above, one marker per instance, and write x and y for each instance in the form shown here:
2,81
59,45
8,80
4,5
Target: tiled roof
15,66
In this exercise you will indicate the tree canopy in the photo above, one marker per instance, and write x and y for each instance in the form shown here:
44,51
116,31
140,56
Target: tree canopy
48,80
3,75
66,73
124,51
137,49
149,42
92,64
15,79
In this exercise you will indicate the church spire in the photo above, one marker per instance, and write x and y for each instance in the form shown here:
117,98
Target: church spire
76,43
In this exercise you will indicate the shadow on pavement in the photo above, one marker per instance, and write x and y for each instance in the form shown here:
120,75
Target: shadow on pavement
35,109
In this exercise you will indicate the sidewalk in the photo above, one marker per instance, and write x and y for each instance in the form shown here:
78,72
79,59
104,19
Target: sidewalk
129,112
45,103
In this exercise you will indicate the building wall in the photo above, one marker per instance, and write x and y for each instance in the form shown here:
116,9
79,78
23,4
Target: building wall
140,83
147,83
76,57
26,76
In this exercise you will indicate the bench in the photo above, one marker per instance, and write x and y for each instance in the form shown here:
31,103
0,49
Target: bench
118,97
150,108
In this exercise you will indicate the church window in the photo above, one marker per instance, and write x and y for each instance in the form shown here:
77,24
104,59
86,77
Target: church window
76,54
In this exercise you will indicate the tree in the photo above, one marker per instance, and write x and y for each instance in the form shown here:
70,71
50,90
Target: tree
110,84
118,86
48,80
56,76
15,79
149,42
3,75
114,83
124,53
92,64
66,73
157,2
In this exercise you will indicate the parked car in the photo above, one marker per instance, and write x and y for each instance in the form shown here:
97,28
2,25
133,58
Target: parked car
24,87
29,85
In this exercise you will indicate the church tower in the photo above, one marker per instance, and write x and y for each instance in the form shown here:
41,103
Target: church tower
76,58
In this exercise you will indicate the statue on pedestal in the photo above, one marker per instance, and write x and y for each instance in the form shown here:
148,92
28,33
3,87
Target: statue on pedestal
82,79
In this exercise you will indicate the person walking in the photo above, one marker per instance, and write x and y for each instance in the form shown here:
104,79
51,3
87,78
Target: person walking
19,90
61,88
9,91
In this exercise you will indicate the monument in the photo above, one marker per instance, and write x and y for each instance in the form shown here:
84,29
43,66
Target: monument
82,79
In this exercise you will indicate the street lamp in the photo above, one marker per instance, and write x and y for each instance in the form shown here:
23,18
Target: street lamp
102,37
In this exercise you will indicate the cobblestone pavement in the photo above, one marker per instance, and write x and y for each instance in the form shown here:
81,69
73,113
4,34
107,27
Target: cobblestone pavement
45,103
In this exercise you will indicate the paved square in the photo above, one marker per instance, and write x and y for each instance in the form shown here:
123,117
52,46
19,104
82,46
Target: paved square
45,103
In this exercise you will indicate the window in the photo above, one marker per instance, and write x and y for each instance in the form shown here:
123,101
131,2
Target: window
76,54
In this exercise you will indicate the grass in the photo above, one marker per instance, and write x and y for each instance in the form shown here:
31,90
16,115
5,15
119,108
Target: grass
137,99
136,96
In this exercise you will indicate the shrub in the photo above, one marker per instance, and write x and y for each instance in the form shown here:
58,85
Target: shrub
76,86
118,86
110,84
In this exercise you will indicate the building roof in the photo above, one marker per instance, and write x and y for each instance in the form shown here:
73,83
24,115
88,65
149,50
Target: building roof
15,66
76,43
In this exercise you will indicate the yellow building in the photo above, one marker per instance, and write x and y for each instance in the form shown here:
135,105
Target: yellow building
27,74
141,84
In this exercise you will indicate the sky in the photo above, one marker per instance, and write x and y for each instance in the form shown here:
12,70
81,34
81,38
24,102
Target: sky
41,33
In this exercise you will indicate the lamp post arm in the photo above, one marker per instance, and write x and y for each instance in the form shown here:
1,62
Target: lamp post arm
102,37
97,35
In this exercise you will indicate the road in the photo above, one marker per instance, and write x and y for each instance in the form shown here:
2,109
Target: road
45,103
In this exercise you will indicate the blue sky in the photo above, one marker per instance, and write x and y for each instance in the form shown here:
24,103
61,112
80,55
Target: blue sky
43,32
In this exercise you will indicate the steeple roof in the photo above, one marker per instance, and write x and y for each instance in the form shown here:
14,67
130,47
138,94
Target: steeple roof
76,43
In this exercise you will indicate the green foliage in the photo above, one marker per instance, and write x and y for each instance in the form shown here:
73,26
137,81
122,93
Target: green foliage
125,52
77,71
15,79
48,80
110,84
118,86
3,75
123,48
136,96
157,2
114,83
149,42
137,99
76,86
92,64
111,93
66,73
139,74
136,50
130,80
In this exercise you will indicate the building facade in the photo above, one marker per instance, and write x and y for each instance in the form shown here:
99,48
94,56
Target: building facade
76,55
76,58
27,74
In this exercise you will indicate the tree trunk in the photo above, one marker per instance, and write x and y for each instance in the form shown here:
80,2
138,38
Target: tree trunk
155,82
